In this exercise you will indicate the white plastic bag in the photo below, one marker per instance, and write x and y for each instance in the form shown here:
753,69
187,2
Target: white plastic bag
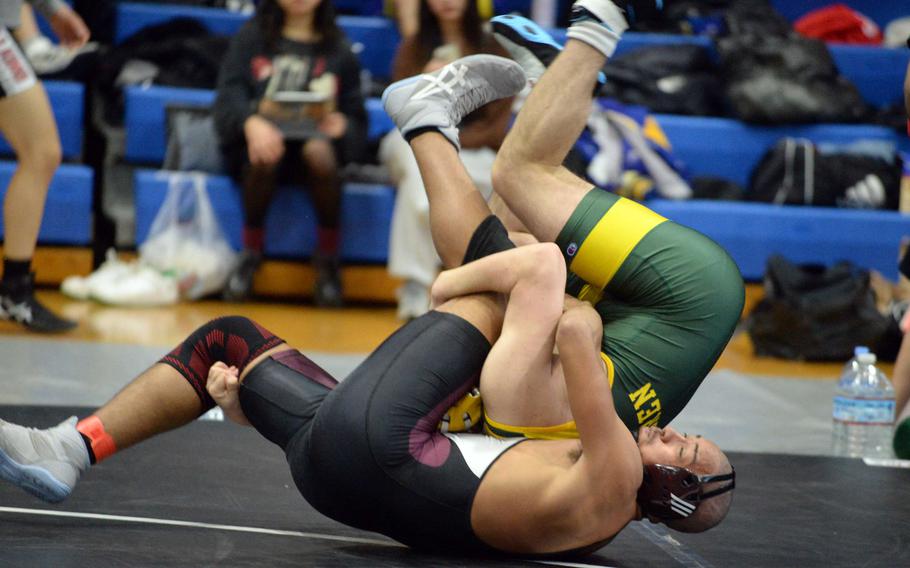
186,239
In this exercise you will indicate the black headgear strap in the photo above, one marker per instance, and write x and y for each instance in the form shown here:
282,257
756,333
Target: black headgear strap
670,493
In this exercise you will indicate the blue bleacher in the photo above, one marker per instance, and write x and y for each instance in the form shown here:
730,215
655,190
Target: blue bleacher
133,16
878,72
880,11
68,210
377,33
144,118
67,102
710,146
145,113
375,40
751,232
730,149
291,223
359,7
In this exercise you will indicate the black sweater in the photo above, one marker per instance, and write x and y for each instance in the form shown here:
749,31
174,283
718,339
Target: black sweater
248,68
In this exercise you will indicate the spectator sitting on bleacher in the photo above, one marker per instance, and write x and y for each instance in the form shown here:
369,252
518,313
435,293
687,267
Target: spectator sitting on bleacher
289,108
448,30
27,123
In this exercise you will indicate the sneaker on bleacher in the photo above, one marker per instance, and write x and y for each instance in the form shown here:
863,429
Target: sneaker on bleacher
111,270
142,286
47,58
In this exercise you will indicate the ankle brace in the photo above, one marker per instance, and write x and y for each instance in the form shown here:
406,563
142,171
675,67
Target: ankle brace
100,445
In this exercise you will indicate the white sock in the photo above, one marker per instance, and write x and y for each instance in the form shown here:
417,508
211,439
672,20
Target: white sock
604,35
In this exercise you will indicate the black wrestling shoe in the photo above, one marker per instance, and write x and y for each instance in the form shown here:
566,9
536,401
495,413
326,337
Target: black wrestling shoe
239,285
18,304
328,292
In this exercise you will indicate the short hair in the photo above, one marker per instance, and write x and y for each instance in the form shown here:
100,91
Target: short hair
711,511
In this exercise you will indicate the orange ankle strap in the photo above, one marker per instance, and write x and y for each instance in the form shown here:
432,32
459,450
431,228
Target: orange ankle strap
102,443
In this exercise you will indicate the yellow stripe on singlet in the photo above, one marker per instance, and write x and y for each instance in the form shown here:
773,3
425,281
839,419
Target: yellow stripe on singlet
559,432
611,240
609,364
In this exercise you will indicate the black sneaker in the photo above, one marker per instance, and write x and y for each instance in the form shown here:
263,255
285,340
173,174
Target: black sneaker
328,292
18,304
239,285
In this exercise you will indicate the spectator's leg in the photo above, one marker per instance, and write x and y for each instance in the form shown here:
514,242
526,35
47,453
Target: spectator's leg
28,125
321,167
258,185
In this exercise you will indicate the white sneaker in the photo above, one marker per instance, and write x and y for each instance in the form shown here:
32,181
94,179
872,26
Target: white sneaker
413,300
111,270
142,287
46,463
47,57
439,100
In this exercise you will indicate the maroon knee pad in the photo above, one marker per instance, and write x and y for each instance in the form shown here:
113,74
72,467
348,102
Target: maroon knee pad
233,340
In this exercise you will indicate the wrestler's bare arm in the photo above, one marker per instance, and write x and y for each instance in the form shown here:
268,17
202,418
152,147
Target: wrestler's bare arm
609,452
500,272
521,360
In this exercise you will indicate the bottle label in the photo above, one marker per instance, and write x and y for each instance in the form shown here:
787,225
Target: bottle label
864,410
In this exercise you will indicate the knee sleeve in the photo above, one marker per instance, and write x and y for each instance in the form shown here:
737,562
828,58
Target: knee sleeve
489,237
234,340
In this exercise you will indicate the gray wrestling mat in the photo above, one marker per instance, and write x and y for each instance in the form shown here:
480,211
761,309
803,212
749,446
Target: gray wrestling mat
217,494
740,412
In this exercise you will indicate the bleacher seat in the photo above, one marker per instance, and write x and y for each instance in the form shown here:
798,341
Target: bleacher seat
879,11
67,103
290,224
730,149
359,7
67,216
144,119
878,72
375,39
377,36
751,232
133,16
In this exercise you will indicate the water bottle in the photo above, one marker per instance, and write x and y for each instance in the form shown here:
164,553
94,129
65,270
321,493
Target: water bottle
863,409
853,363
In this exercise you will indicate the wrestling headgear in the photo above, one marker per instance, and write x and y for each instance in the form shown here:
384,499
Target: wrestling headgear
669,493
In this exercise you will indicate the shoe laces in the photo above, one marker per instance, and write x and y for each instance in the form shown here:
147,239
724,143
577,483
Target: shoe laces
455,75
449,77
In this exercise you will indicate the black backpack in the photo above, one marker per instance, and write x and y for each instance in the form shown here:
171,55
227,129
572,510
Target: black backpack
794,172
816,313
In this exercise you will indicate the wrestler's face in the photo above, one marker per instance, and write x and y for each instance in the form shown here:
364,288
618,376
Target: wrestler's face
447,10
668,447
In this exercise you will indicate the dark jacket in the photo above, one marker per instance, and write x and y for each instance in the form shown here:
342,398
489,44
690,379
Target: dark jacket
248,68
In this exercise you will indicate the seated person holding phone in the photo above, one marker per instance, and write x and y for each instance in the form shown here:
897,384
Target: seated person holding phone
289,109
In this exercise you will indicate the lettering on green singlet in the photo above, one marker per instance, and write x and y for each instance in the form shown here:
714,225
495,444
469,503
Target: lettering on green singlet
647,414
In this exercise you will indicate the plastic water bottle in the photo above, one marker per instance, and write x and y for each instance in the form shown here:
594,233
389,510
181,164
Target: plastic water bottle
853,363
863,409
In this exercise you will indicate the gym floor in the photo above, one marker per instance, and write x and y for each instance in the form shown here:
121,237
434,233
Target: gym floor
217,494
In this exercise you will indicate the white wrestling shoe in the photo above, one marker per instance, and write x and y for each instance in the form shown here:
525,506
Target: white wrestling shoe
439,100
46,463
